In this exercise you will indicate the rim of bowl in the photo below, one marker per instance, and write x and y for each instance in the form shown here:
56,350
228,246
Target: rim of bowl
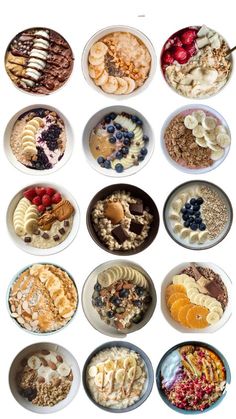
94,236
176,165
225,197
37,251
13,280
154,296
90,158
149,369
202,97
21,167
115,28
34,93
178,326
194,343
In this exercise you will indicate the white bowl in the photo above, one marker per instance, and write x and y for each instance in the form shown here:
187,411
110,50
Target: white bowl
168,280
118,28
179,111
92,314
69,359
34,250
95,119
12,158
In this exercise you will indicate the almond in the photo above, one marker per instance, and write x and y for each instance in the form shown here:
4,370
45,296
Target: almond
52,365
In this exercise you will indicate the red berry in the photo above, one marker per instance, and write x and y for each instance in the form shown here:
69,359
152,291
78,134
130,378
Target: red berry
37,200
56,198
188,36
46,200
40,191
50,191
167,58
177,42
180,55
191,49
41,208
30,194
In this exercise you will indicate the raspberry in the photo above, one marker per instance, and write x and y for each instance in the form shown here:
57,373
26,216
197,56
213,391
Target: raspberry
180,55
56,198
188,36
40,191
46,200
30,194
37,200
50,191
167,58
177,42
191,49
41,208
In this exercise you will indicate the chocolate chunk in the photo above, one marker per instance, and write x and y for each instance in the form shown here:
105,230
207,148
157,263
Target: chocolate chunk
214,289
136,228
119,234
62,230
136,209
45,236
27,239
66,223
56,237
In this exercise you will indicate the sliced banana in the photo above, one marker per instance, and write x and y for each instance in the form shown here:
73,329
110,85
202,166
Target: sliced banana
98,50
34,362
177,205
63,369
180,279
174,215
122,86
129,362
131,84
191,293
184,233
193,237
190,122
203,236
120,375
201,142
138,372
102,79
213,317
109,365
131,373
98,380
209,123
96,61
199,115
209,300
184,197
199,131
95,71
220,129
210,138
177,228
223,140
217,154
111,85
217,309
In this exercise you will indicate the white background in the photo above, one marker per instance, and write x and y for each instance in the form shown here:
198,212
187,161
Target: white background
77,22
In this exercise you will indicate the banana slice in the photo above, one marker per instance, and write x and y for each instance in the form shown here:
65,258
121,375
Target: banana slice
184,233
193,237
213,317
210,138
98,380
177,205
174,215
191,292
104,279
203,236
131,84
92,372
122,86
98,50
111,85
180,279
96,61
125,122
131,373
109,365
218,310
120,375
31,226
201,142
44,372
63,369
198,299
223,140
220,129
95,71
199,115
129,362
34,123
199,131
217,154
209,123
209,300
138,372
102,79
34,362
190,122
177,228
184,197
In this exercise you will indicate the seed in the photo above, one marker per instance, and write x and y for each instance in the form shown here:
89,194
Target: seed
13,308
20,320
19,295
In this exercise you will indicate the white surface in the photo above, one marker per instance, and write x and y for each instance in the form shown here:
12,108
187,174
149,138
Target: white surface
78,102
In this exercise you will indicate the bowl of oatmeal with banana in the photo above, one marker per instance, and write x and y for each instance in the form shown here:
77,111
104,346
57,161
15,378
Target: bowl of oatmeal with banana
195,139
38,140
43,219
118,376
42,298
196,62
198,215
122,219
119,61
118,298
44,377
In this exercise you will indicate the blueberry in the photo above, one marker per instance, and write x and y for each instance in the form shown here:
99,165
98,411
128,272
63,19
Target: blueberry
200,201
100,160
123,293
202,227
194,226
134,118
119,155
197,214
183,210
144,151
97,287
193,201
198,220
125,150
187,205
185,217
141,157
139,291
98,302
145,138
126,142
119,135
130,135
113,115
118,126
139,122
119,168
110,129
112,140
137,303
107,164
196,207
191,219
116,301
110,314
187,223
190,211
107,119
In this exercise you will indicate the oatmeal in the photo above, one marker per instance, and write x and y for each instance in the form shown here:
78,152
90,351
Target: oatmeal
38,139
121,296
43,218
118,142
39,60
121,221
44,378
119,63
196,297
116,377
195,62
43,298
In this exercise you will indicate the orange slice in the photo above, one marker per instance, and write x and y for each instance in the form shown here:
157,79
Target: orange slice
174,297
177,305
196,317
183,313
171,289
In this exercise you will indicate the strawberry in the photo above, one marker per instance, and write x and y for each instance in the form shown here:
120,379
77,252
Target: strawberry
56,198
46,200
37,200
180,55
30,194
167,58
50,191
191,49
40,191
41,208
188,36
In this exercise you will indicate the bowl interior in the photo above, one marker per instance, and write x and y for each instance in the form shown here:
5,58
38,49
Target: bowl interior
16,365
95,119
92,314
137,193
